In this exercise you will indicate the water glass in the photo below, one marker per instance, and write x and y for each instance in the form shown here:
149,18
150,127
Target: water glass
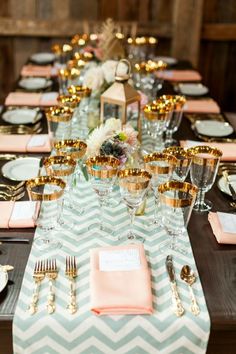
184,160
203,171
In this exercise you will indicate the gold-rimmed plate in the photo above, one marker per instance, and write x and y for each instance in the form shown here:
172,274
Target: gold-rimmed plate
35,83
42,58
22,116
21,169
223,184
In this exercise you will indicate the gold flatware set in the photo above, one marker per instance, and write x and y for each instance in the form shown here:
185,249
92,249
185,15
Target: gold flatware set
48,269
9,192
21,129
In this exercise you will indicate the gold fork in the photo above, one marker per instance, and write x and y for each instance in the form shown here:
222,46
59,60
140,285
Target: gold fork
38,275
51,274
8,197
71,273
12,188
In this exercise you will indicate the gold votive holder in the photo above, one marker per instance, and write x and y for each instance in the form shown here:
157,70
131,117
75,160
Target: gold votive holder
102,166
74,148
35,188
61,166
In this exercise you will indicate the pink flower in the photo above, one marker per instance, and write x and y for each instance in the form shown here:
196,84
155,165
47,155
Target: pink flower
131,135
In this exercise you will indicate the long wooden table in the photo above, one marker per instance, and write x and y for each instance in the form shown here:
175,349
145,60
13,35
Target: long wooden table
216,265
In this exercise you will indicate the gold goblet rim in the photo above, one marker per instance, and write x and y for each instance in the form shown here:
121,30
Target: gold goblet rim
150,66
205,149
69,100
82,91
43,181
134,172
178,151
177,101
158,157
78,144
101,160
59,113
185,187
158,110
51,161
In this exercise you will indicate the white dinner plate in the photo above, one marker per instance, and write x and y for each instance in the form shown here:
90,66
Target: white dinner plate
192,89
35,83
42,58
213,128
3,280
21,169
223,185
22,116
167,60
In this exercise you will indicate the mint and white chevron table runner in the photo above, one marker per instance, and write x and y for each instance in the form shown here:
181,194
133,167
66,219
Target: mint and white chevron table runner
84,332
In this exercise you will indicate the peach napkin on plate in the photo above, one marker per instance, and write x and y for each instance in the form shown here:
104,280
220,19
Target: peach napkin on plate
201,106
37,70
120,281
223,226
25,143
228,149
19,214
31,99
179,75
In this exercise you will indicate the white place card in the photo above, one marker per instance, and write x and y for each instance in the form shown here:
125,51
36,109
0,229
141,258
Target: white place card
228,222
37,140
119,260
23,210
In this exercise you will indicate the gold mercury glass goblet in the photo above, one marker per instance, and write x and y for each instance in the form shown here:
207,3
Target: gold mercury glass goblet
76,149
63,167
203,171
48,190
102,172
184,160
177,200
133,184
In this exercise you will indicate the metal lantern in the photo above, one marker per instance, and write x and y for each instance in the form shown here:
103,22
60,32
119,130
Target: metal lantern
121,94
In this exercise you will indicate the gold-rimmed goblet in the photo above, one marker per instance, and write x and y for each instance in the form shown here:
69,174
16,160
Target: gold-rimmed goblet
75,149
156,115
134,183
203,171
184,160
173,123
177,201
161,166
63,167
102,171
48,190
67,100
59,123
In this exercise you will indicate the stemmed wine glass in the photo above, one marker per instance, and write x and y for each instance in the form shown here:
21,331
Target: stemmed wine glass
102,171
133,188
203,173
48,190
75,149
184,160
156,115
177,200
161,167
63,167
172,124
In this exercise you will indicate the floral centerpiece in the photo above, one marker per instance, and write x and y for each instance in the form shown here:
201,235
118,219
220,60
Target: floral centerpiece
111,138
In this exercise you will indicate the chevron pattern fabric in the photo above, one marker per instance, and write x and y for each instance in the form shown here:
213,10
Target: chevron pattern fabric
86,333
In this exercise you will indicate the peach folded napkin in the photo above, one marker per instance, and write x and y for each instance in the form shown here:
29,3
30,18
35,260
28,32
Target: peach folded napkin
228,149
179,75
201,106
31,99
37,70
120,281
18,214
25,143
220,234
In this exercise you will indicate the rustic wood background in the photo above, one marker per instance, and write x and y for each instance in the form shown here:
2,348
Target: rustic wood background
203,32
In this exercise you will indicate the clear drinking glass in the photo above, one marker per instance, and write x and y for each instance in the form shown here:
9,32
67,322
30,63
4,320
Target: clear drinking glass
177,200
63,167
172,124
76,149
184,160
133,188
48,190
203,171
156,114
102,171
161,167
59,123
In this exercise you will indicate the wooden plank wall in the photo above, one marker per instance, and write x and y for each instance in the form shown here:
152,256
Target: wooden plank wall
203,32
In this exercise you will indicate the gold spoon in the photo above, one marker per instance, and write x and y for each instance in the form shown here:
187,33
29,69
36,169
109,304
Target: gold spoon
188,276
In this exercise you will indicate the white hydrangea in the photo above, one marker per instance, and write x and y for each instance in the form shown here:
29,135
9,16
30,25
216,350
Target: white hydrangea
94,78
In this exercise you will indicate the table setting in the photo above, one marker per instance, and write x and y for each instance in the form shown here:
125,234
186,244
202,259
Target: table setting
104,196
